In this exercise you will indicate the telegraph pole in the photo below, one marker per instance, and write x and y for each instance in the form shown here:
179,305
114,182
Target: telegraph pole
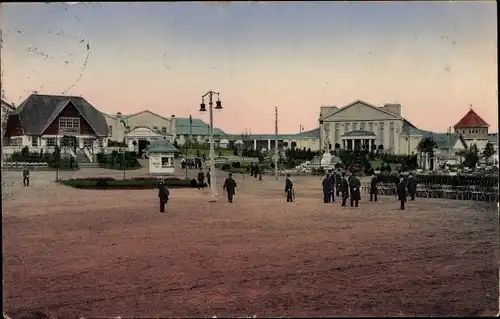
276,151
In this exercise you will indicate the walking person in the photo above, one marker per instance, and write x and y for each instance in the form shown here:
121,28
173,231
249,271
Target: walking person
201,179
288,188
401,189
354,190
163,194
411,184
26,176
327,188
208,177
344,188
373,188
229,187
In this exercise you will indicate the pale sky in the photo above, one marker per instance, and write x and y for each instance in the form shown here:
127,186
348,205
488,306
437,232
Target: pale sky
433,58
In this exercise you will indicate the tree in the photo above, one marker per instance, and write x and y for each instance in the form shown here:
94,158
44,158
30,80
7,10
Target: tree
235,152
56,157
380,147
337,146
489,151
25,153
470,156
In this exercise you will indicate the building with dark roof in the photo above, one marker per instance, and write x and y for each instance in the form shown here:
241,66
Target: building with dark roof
44,121
473,129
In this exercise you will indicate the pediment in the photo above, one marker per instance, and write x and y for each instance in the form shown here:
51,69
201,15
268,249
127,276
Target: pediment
359,111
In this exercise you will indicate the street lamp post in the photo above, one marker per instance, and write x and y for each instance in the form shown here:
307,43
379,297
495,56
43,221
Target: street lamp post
218,106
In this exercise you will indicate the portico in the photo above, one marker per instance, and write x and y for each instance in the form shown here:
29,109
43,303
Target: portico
358,140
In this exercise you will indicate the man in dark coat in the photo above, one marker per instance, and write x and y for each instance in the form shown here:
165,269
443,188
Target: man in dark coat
163,194
344,188
327,188
332,186
354,190
412,186
401,189
201,179
229,187
289,188
252,169
26,176
256,171
338,180
373,188
208,177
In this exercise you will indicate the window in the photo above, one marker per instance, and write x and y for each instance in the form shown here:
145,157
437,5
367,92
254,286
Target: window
16,141
88,142
355,126
164,130
166,162
346,128
69,125
100,142
370,127
362,126
34,141
110,130
155,128
50,141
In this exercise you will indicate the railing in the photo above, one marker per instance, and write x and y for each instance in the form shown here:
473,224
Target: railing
87,153
20,165
475,193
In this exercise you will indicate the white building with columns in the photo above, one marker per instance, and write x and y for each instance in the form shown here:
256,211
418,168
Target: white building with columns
363,125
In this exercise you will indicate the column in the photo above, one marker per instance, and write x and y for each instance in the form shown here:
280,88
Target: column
255,144
268,144
343,144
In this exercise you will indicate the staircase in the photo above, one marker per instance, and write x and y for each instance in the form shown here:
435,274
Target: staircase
83,160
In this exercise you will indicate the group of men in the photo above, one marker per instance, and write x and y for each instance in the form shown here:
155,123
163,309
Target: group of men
349,186
344,184
255,171
192,163
201,178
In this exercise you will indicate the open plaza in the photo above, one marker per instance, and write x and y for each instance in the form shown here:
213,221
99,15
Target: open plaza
96,253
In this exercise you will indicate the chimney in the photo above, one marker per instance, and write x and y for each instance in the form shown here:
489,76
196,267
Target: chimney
327,110
173,127
393,108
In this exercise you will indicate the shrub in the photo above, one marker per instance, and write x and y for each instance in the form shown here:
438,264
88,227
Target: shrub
193,183
236,164
225,167
101,183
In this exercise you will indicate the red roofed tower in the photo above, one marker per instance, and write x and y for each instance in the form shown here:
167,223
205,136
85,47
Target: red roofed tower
473,129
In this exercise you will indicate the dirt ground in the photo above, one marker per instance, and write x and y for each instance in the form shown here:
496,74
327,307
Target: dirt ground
92,253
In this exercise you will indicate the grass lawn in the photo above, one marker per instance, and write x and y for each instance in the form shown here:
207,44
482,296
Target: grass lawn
378,163
193,152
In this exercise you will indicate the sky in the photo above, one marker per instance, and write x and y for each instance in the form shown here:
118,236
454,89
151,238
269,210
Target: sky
434,58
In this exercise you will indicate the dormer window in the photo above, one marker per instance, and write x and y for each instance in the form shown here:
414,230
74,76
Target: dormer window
69,126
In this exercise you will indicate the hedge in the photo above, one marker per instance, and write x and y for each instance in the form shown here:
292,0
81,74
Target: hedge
457,180
136,183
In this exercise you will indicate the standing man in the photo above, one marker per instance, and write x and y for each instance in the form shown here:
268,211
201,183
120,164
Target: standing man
338,181
163,194
373,187
401,189
201,179
229,187
344,188
288,189
332,186
354,188
26,176
327,189
412,186
208,177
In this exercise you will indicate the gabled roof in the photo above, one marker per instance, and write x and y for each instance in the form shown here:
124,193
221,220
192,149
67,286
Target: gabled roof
145,111
444,140
38,111
162,146
358,133
7,105
471,120
197,127
364,103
